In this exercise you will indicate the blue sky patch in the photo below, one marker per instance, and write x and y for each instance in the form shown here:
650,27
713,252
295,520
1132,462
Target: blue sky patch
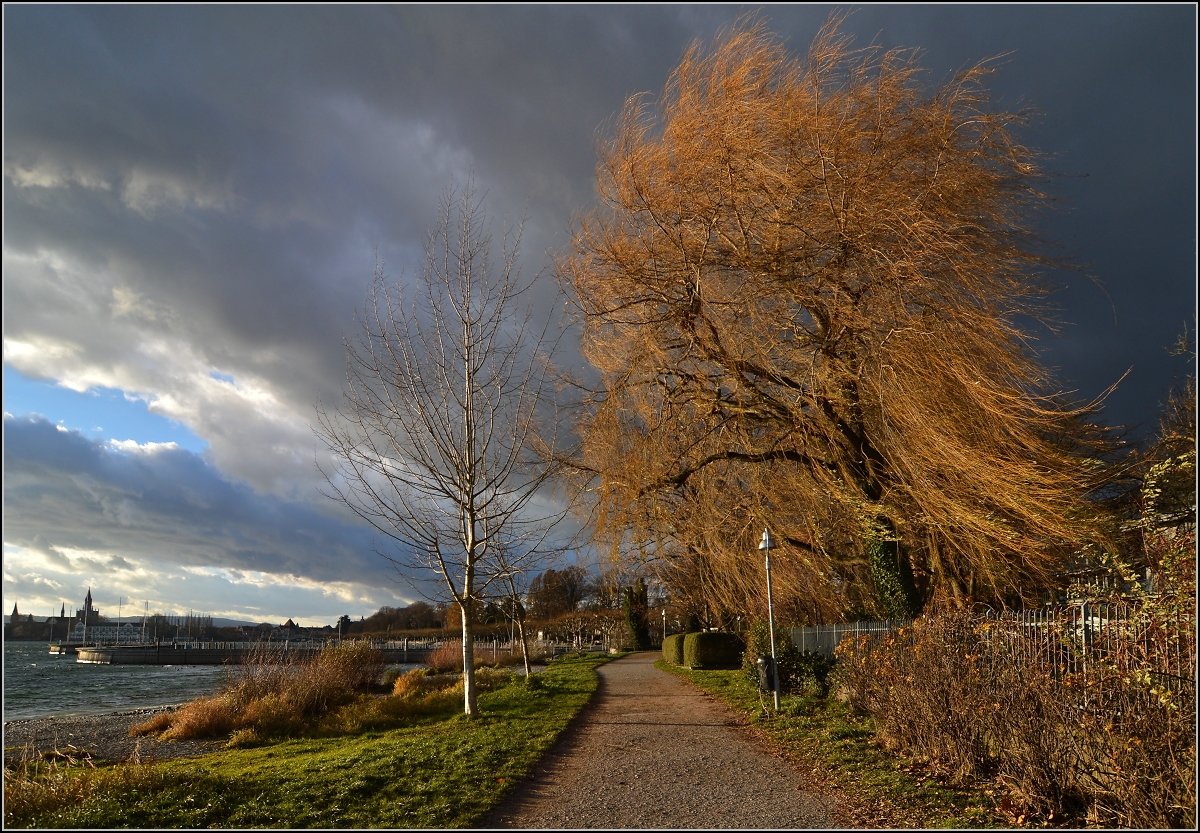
100,413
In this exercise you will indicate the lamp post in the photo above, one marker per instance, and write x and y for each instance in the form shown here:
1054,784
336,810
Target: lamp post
766,545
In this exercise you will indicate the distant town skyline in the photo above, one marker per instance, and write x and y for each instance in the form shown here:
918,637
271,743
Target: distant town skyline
135,613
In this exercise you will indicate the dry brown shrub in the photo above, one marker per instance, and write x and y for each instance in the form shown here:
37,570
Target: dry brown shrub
242,738
308,687
415,694
490,679
412,682
270,694
357,664
29,789
263,670
378,712
485,657
273,714
513,656
1114,741
207,717
160,722
930,705
446,657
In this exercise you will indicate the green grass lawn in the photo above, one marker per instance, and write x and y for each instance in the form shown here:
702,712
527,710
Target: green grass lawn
442,771
884,790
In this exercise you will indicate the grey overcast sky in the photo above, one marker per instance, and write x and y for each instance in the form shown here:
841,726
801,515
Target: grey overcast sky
193,196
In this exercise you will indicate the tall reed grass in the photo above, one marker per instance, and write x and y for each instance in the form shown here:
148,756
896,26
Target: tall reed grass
34,786
267,697
270,694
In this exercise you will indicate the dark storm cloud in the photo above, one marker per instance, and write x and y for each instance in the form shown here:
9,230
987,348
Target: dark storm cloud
291,142
1113,90
193,190
165,506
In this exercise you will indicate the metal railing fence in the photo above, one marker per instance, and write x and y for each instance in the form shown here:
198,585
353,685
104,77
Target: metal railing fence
824,639
1092,641
1098,643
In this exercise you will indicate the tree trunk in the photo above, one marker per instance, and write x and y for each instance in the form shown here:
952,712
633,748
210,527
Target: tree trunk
470,699
892,573
524,644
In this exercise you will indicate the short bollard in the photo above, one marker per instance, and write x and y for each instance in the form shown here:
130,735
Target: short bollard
766,674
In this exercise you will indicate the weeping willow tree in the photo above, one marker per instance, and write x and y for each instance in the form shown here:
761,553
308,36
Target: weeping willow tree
808,293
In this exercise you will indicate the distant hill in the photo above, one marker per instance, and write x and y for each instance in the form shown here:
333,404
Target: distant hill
235,623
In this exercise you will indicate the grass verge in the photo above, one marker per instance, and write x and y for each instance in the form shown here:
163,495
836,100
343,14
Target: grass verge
441,770
838,747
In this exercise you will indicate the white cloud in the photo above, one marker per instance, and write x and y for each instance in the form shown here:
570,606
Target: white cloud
254,432
47,174
147,192
161,524
133,446
32,355
40,585
141,189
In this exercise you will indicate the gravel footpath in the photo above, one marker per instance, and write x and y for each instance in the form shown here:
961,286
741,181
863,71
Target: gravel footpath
103,737
651,751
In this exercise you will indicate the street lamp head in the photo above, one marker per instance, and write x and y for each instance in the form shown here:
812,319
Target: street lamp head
767,541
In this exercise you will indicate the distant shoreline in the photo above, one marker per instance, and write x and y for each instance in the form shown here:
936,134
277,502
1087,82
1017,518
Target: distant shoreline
65,716
75,716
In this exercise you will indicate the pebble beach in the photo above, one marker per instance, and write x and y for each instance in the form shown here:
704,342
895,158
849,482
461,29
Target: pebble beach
103,737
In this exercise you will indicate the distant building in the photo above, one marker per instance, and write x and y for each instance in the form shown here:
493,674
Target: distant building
288,630
87,611
126,634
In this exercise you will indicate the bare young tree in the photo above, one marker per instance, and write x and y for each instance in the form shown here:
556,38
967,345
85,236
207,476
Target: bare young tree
807,295
513,579
447,421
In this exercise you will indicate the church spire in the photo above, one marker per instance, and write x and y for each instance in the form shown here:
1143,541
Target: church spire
15,612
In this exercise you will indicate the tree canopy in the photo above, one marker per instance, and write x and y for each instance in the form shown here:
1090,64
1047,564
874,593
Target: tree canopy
809,293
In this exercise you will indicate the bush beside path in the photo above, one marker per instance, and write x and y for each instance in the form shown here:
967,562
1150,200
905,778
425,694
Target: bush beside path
652,751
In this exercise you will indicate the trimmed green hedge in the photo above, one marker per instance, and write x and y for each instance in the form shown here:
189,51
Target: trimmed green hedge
712,650
673,648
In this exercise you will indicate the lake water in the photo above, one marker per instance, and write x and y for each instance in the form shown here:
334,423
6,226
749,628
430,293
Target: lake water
39,684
